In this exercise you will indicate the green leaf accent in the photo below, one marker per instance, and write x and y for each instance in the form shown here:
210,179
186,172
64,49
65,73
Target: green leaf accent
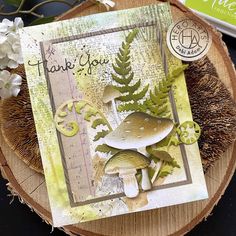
132,94
128,107
69,129
165,170
70,106
134,97
15,3
158,102
151,172
43,20
90,113
106,149
98,122
100,135
62,114
79,106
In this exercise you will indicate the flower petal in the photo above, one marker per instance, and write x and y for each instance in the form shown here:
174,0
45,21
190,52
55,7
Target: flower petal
15,80
1,83
5,93
7,22
3,28
4,62
3,38
5,75
15,90
18,23
12,64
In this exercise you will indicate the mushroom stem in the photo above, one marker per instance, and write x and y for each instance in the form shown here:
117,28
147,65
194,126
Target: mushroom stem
130,183
158,167
113,105
146,184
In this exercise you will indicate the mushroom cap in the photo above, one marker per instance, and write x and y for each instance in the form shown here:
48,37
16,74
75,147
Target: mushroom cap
139,130
126,160
110,93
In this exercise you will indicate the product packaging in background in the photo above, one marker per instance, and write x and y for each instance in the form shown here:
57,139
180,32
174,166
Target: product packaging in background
221,14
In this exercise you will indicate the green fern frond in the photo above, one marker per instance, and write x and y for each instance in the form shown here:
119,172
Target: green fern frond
106,149
123,71
98,122
158,103
100,135
141,94
70,106
129,107
90,113
122,63
118,79
79,106
134,97
129,39
123,76
134,87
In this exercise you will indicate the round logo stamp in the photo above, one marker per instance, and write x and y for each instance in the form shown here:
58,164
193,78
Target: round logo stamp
188,39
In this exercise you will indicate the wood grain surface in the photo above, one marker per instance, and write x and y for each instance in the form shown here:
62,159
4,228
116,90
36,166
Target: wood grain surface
176,220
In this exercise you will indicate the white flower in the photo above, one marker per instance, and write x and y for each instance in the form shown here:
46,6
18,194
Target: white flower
107,3
9,84
10,49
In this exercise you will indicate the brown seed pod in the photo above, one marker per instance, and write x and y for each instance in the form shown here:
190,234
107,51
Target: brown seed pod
213,109
17,125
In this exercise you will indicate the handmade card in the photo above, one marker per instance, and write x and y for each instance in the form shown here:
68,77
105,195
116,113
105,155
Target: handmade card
112,115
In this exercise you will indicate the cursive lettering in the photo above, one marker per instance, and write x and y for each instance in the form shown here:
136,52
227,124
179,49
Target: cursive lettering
227,4
68,65
85,61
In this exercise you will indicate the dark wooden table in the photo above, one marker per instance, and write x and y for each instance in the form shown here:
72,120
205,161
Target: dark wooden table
16,219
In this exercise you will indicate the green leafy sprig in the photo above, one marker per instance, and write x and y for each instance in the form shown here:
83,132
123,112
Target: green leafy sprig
90,114
159,98
123,76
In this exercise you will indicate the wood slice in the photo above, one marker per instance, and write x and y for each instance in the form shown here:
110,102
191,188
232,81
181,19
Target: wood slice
176,220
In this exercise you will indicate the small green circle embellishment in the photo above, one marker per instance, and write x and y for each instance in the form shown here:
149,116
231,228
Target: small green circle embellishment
189,132
188,39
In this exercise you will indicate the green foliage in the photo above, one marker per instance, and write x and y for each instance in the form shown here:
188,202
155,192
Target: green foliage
91,112
151,172
106,149
79,106
98,122
100,135
158,102
165,170
131,93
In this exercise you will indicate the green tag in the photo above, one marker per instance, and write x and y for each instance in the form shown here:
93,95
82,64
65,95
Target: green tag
224,10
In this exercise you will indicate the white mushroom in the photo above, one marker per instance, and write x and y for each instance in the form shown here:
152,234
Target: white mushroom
139,130
109,95
126,163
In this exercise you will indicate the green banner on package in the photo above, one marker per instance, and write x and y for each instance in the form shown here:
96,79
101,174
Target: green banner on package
224,10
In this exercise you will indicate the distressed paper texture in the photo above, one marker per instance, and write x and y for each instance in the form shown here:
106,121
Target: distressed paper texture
79,54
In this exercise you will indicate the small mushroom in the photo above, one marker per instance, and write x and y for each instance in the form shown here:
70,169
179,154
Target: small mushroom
126,163
139,130
109,95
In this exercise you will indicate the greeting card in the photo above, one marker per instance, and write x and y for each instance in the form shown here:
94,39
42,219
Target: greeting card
112,115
